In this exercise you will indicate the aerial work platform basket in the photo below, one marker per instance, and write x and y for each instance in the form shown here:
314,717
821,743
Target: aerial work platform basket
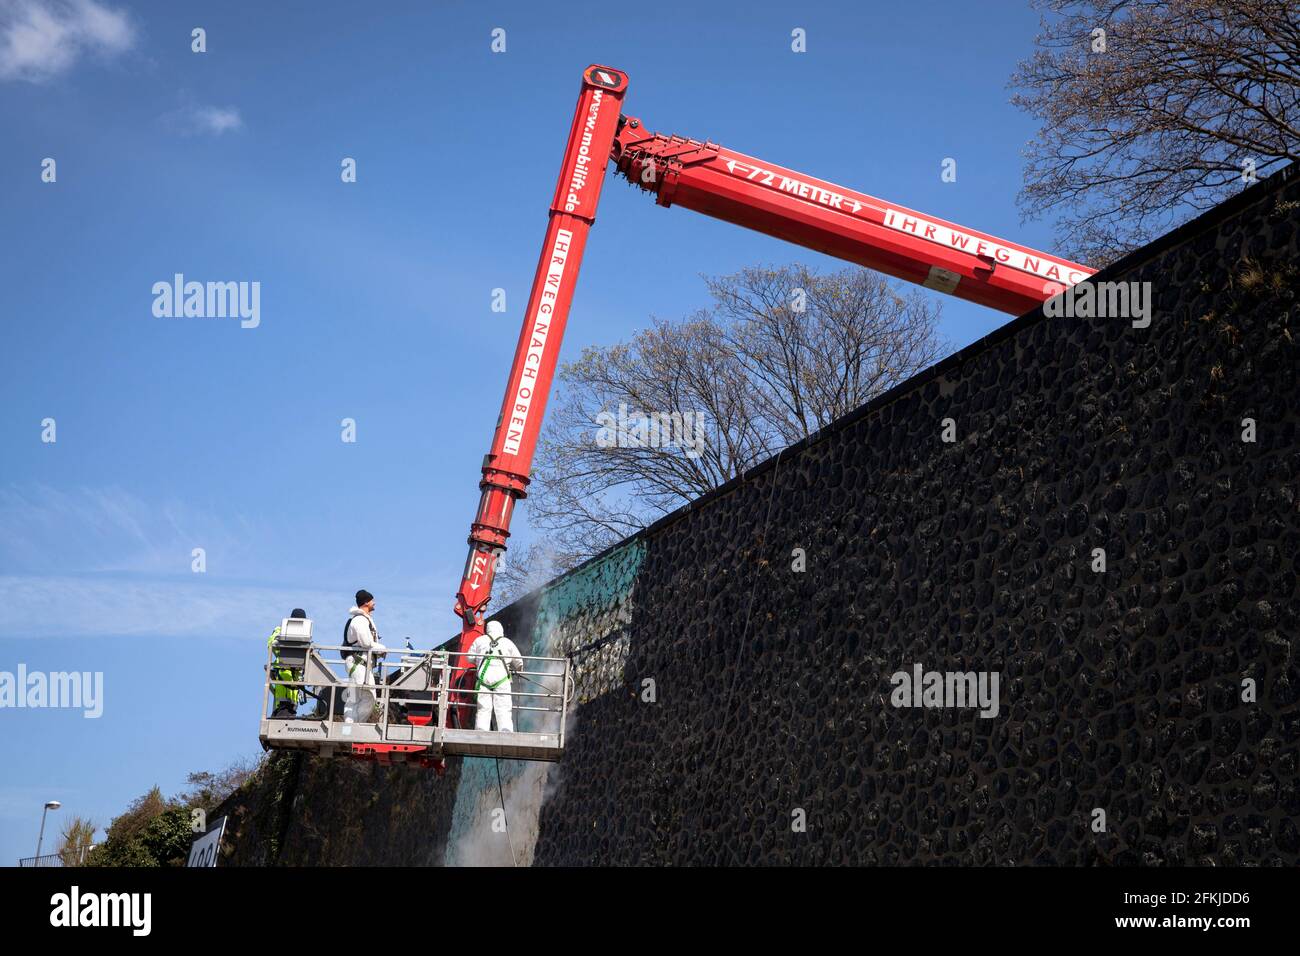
420,708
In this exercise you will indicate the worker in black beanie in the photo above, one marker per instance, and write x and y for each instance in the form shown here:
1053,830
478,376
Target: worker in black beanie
361,645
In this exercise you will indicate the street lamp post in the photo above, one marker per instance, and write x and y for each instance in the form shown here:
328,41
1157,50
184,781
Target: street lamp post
49,805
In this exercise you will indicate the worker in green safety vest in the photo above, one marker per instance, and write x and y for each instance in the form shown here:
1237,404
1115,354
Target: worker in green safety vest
287,699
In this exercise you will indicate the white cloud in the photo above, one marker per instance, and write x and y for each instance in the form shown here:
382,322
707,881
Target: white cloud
91,562
46,530
39,39
215,119
62,606
205,120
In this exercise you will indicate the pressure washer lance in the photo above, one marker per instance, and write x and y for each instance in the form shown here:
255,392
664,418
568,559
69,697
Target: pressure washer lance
549,691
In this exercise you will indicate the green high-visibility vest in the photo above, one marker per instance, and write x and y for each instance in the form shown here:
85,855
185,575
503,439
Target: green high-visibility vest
483,666
279,691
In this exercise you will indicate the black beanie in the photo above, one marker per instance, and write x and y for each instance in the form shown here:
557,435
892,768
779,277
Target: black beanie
298,614
364,597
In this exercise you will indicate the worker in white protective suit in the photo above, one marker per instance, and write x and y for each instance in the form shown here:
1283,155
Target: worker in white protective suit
494,658
360,637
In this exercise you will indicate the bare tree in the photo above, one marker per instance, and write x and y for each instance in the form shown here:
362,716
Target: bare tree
640,428
208,790
1153,110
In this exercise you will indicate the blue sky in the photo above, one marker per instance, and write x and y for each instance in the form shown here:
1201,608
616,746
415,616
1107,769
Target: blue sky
175,434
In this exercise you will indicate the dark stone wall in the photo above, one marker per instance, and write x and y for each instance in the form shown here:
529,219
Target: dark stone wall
305,811
1120,692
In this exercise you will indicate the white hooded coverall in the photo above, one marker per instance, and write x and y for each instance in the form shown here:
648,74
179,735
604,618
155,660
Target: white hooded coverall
494,658
358,704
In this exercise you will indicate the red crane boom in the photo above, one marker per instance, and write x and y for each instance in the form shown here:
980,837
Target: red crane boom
737,188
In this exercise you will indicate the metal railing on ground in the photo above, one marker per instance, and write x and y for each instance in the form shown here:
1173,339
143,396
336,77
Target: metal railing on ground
56,859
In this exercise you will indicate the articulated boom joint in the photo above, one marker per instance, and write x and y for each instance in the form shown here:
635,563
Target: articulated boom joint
654,161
